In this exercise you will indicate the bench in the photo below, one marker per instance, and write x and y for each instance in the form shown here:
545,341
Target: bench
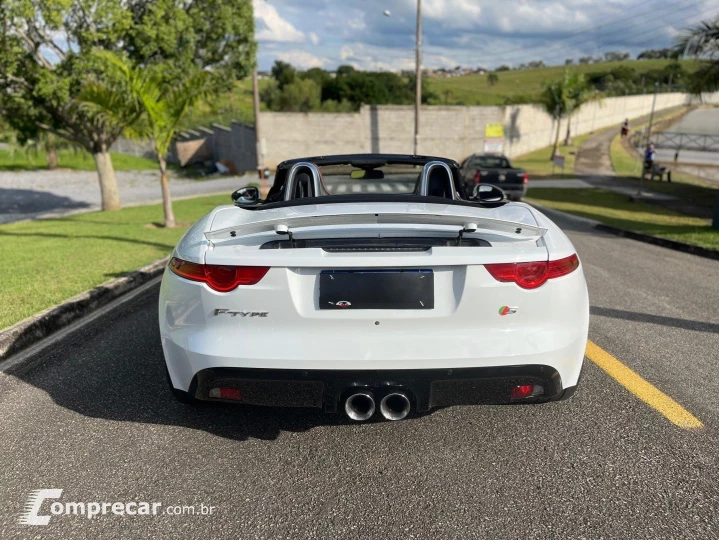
656,170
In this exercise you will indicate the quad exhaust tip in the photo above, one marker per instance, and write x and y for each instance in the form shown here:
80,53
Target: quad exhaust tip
395,406
360,406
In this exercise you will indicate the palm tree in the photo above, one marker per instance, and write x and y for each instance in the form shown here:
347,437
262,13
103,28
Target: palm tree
555,100
156,105
702,41
579,92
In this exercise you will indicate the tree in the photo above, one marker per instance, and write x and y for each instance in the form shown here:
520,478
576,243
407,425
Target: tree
156,105
492,79
283,73
579,92
702,41
46,55
556,101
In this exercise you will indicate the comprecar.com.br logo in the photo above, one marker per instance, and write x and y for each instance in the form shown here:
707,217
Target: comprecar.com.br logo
92,509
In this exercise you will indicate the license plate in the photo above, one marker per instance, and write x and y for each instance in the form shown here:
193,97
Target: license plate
377,289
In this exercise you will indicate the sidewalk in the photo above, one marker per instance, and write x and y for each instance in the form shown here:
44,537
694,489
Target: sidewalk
35,194
594,166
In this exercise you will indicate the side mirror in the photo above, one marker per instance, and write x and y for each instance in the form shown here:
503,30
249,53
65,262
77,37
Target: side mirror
488,193
246,195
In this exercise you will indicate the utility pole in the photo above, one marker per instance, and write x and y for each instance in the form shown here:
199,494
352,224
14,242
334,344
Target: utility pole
418,78
258,138
649,135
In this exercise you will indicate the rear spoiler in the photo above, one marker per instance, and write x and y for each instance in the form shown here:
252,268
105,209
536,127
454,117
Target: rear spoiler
468,224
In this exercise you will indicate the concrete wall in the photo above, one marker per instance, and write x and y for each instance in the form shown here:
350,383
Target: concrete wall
452,132
234,145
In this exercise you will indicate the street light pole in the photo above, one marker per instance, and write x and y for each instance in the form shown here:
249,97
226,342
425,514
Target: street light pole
258,138
418,78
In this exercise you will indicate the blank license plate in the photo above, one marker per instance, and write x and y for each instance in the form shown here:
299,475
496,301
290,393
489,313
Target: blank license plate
377,289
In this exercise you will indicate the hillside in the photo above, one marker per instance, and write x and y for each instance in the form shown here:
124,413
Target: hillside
527,83
517,85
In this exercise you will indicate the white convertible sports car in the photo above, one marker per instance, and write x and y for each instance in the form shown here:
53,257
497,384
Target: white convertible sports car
386,301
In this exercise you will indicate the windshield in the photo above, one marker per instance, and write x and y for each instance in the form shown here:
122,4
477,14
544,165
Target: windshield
391,178
496,162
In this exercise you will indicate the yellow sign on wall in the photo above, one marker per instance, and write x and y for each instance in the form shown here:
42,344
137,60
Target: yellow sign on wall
494,131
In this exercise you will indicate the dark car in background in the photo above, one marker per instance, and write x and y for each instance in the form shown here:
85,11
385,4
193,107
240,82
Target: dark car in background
495,170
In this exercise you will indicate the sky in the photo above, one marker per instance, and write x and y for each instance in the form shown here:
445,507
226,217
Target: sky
472,33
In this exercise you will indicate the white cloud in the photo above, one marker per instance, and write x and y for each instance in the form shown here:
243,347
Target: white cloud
302,59
273,26
469,32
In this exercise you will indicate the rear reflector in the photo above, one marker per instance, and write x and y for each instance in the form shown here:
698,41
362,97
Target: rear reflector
531,275
219,277
226,393
527,391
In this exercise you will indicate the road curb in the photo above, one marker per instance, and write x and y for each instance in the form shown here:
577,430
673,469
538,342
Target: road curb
675,245
707,253
39,326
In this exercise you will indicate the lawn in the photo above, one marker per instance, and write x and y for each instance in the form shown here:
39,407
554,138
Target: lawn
699,192
70,159
45,262
619,211
523,85
538,164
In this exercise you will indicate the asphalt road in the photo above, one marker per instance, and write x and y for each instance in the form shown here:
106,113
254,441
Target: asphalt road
701,121
93,417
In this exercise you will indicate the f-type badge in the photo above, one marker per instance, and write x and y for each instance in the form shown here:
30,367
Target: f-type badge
507,310
241,313
343,303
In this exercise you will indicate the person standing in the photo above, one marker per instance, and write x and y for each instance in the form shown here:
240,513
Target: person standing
649,157
625,128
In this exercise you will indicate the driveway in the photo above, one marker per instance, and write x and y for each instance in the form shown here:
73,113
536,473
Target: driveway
32,194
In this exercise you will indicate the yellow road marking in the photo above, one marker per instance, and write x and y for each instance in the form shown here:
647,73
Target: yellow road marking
645,391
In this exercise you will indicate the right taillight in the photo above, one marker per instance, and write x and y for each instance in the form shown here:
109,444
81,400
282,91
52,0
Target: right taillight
525,179
477,177
530,275
221,278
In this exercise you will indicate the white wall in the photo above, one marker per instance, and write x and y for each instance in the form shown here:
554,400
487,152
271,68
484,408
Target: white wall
453,132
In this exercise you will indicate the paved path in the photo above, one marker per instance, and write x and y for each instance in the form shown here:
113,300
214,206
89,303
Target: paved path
95,419
32,194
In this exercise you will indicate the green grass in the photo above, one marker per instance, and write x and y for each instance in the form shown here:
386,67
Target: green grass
619,211
45,262
695,190
525,84
19,160
538,164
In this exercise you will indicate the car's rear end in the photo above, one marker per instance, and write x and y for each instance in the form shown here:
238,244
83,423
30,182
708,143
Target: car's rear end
382,304
497,171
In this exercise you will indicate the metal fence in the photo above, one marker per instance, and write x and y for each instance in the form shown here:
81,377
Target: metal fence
686,141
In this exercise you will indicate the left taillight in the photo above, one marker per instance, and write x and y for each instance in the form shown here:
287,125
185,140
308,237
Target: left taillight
221,278
525,179
530,275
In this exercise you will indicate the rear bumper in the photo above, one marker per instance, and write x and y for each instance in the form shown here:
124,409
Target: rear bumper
427,388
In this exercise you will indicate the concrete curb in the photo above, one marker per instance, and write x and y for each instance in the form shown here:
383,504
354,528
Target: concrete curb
675,245
37,327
